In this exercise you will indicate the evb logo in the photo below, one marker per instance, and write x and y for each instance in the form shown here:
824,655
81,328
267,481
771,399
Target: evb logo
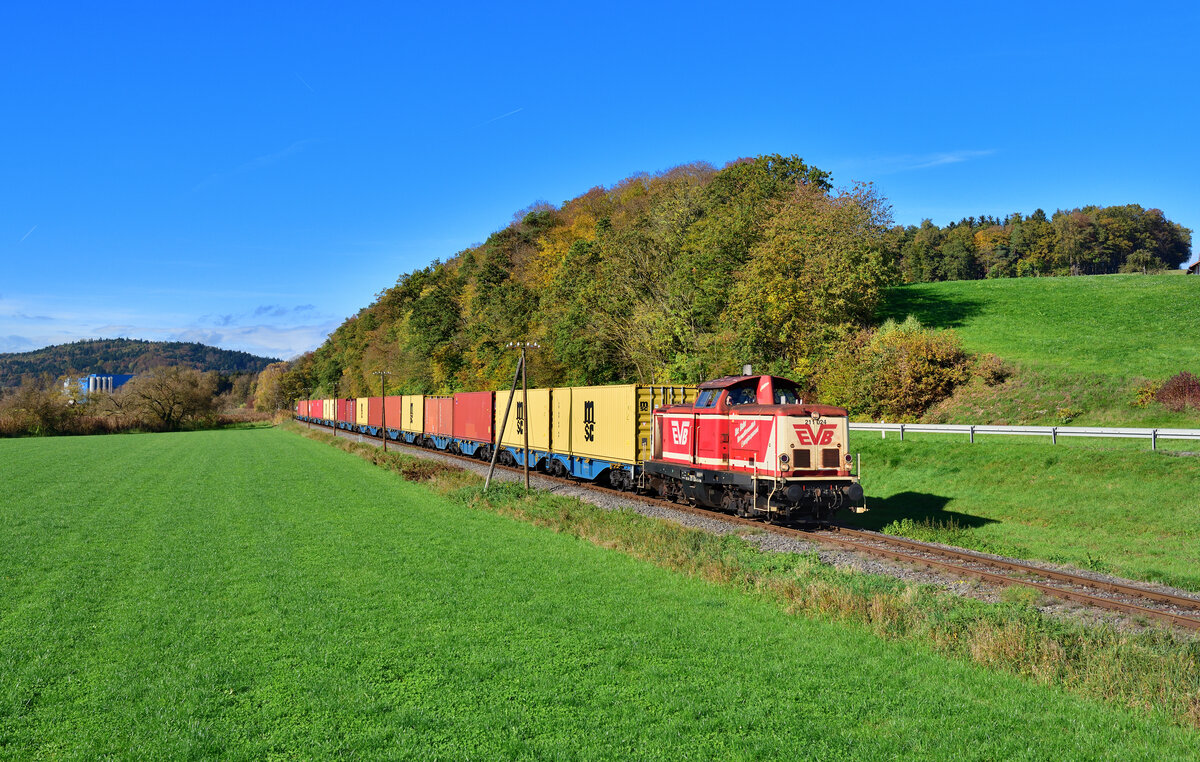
679,432
820,434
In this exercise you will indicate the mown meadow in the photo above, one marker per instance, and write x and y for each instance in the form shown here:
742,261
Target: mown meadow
1081,346
252,593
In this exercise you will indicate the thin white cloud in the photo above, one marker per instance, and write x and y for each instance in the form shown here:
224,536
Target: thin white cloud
498,118
27,234
264,340
270,329
952,157
267,160
885,165
256,163
14,343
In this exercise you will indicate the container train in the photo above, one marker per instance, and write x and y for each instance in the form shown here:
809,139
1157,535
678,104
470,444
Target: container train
745,444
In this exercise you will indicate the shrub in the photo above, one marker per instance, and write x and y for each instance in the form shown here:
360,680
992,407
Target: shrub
1067,414
36,409
896,372
991,369
1145,393
1179,392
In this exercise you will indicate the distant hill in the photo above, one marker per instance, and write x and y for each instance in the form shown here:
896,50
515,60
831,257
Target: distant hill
123,356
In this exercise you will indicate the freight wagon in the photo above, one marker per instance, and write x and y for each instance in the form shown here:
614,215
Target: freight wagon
747,444
345,411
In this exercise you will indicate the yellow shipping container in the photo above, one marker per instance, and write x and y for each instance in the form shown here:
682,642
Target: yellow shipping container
538,419
649,399
610,423
329,410
413,410
360,411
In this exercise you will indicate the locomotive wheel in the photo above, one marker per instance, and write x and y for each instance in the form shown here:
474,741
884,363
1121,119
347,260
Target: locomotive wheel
728,504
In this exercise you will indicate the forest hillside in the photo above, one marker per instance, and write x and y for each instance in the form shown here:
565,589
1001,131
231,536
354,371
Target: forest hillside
693,272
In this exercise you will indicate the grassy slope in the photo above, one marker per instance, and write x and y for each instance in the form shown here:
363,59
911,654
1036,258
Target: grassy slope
1082,342
249,593
1108,505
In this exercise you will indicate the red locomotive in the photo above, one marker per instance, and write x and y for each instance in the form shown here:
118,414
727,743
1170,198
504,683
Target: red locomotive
751,445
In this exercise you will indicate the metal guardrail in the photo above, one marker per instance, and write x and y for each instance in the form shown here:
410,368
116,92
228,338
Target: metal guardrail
1054,432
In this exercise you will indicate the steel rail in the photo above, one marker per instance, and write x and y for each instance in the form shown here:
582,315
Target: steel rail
866,546
1016,566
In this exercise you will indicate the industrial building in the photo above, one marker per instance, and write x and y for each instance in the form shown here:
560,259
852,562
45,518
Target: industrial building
95,382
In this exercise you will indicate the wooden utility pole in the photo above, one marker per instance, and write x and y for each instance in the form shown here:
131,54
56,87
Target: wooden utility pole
525,415
383,374
503,423
335,410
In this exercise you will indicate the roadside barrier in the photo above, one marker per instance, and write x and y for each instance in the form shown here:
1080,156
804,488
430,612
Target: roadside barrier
1054,432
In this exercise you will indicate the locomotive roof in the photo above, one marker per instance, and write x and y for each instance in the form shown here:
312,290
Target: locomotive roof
727,381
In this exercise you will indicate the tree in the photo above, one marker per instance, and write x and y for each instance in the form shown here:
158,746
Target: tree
269,395
822,263
38,408
1142,261
168,397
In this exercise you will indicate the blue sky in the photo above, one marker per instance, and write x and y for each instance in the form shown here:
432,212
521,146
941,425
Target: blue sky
248,175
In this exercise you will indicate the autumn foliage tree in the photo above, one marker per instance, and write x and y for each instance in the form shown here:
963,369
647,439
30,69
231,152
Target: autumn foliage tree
1090,240
673,277
168,397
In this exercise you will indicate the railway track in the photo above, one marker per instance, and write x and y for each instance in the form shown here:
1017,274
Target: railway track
1104,594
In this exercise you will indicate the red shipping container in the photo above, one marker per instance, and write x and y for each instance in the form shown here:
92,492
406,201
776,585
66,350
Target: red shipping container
315,409
392,409
345,411
375,411
439,416
473,416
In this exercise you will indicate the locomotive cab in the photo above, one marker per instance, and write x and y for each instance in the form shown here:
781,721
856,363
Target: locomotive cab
752,445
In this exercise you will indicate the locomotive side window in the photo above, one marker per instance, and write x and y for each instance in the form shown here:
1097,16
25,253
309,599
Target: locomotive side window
744,395
708,397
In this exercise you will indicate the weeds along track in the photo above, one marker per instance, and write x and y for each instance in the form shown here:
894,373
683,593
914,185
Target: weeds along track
1131,600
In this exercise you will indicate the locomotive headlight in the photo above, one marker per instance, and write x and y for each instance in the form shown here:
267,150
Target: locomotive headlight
783,459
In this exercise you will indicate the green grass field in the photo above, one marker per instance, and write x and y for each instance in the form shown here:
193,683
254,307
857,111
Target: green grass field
249,594
1101,504
1081,343
1116,325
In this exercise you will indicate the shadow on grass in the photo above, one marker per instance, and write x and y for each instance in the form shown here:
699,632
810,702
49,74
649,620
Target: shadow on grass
918,506
934,310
